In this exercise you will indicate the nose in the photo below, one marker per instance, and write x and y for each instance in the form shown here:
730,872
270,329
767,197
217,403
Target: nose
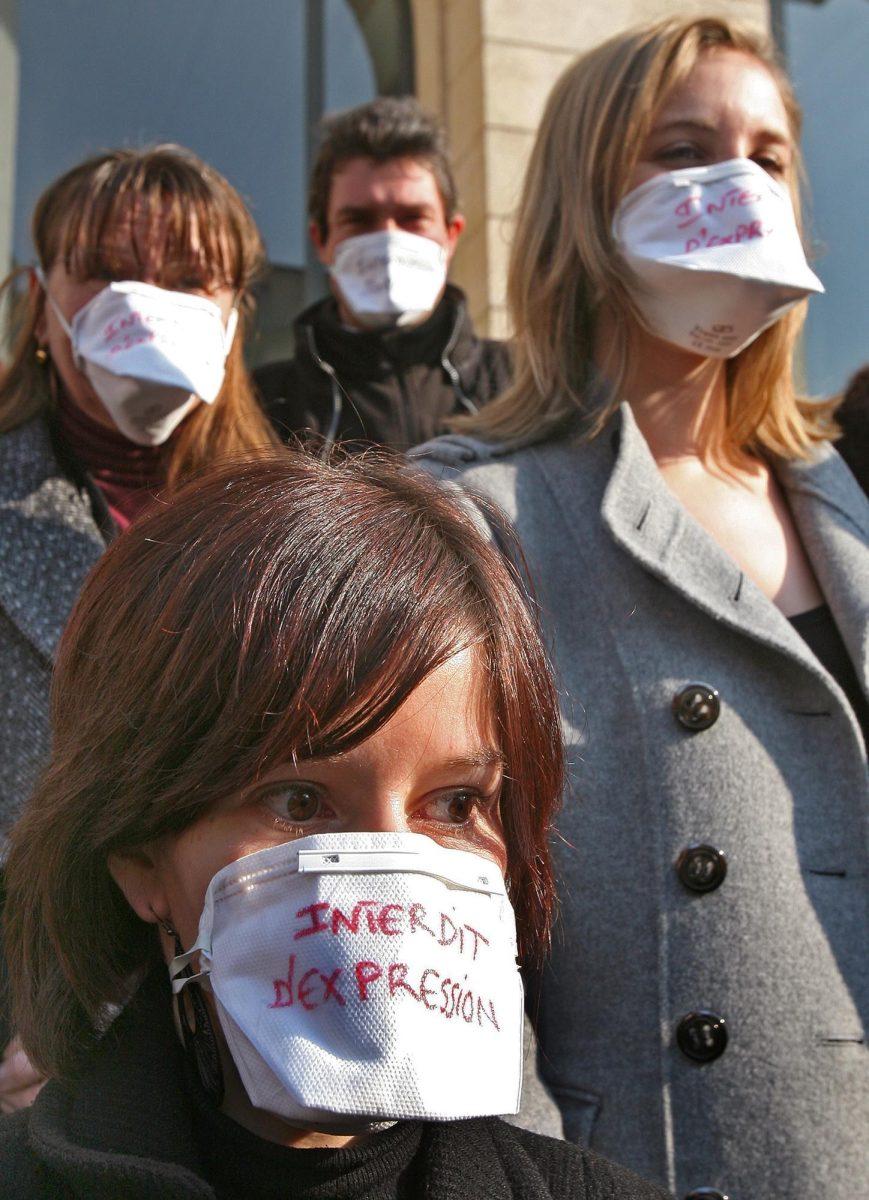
378,814
732,144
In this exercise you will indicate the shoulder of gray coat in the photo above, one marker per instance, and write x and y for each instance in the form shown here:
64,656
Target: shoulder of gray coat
455,451
26,457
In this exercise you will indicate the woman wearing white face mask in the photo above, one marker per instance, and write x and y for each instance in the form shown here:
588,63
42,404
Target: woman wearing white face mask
700,553
126,375
304,730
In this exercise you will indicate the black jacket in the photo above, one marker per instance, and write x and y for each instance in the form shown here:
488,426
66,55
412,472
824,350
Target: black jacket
853,418
396,388
125,1131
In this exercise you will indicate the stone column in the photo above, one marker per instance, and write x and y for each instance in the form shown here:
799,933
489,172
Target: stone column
487,66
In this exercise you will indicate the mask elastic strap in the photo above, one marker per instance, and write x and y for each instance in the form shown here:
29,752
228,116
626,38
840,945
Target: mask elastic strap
40,275
179,969
229,332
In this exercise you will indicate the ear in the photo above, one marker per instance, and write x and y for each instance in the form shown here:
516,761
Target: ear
320,243
139,878
36,295
454,232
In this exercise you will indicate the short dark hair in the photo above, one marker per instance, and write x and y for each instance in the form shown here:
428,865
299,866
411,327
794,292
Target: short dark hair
388,127
277,608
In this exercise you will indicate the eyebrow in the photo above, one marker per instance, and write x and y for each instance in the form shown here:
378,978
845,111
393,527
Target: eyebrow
486,756
355,212
770,135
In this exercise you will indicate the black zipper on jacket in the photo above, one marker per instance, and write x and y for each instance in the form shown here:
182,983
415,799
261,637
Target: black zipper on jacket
339,394
450,367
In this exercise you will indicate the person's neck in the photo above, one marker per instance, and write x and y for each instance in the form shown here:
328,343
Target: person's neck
353,325
678,399
90,435
348,318
238,1107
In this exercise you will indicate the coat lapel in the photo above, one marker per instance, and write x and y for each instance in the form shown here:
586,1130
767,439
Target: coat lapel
832,514
48,537
650,524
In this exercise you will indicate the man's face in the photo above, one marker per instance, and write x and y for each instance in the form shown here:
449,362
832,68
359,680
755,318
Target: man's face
373,197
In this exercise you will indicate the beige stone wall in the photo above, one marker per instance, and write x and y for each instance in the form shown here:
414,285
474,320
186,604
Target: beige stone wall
487,66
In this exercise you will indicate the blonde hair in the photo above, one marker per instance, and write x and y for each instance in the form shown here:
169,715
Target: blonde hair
190,225
564,267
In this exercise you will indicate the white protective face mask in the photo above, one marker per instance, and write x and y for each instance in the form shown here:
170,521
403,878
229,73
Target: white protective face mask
364,977
389,278
149,353
717,255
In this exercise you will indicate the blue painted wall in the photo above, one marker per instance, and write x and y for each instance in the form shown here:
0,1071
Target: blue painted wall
224,77
828,53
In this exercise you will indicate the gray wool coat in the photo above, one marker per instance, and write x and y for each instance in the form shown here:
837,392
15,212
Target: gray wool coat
49,540
638,601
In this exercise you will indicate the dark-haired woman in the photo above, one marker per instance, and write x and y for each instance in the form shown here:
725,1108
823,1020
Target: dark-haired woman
127,375
305,755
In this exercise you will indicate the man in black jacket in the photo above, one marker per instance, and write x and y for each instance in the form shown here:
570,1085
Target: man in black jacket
391,354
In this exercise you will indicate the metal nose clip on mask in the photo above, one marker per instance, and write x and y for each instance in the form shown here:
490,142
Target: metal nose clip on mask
364,977
716,255
149,353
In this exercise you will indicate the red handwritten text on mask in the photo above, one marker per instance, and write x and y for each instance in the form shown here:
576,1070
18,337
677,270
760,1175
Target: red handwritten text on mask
694,208
369,979
704,240
389,920
137,328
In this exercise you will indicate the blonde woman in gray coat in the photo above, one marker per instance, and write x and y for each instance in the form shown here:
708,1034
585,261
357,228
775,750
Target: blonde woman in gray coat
699,552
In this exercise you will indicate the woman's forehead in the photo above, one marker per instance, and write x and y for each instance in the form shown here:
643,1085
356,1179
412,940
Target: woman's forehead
138,239
731,87
164,265
448,716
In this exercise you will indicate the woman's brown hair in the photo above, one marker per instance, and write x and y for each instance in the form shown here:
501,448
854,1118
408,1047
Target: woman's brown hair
196,229
274,609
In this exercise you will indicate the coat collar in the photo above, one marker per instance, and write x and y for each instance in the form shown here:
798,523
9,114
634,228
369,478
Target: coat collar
361,355
48,537
832,514
830,511
125,1127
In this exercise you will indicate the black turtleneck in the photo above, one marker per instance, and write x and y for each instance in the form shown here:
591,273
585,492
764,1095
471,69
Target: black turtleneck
131,1124
240,1164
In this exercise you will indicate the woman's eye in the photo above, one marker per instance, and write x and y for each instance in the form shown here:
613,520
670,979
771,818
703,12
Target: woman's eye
684,152
772,166
297,802
454,808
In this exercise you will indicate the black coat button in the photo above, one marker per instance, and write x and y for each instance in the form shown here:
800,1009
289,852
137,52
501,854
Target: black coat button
701,1036
706,1194
696,706
701,868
